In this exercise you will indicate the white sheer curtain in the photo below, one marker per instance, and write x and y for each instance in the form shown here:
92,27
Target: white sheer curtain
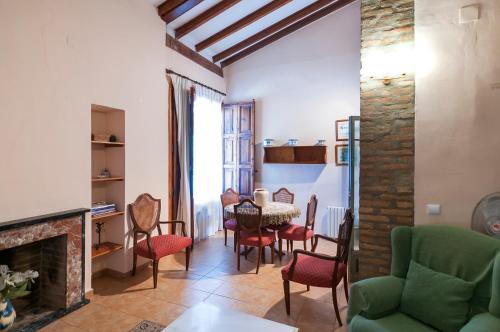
207,162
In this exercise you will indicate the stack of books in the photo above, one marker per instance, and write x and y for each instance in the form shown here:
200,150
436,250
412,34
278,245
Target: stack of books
100,208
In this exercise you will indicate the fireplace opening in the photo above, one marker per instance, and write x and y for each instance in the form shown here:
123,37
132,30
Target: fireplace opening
48,293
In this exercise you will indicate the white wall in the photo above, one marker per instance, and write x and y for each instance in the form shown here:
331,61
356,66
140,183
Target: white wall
57,58
457,109
301,85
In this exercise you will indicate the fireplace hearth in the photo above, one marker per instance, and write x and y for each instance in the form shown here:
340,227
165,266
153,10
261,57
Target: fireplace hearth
53,245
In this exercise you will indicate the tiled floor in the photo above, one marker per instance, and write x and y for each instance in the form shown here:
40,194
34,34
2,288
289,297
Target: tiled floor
120,304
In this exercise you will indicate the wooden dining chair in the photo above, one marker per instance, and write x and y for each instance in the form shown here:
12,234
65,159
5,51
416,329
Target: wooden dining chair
293,232
229,197
145,215
320,270
249,230
283,195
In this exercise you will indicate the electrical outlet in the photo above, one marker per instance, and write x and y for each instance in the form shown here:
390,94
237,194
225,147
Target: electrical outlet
433,209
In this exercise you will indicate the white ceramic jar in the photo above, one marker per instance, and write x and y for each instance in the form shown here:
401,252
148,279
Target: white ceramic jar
261,196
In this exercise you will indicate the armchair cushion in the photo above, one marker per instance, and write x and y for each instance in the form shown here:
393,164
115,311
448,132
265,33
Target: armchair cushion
252,240
314,271
295,233
375,297
162,246
391,323
484,322
230,224
435,298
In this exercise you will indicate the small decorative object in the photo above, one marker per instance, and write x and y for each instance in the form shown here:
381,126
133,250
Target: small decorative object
113,138
98,229
293,141
102,137
12,285
92,137
341,154
261,196
104,174
321,142
342,130
268,141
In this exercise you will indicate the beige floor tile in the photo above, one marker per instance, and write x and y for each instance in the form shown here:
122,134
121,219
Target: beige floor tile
120,304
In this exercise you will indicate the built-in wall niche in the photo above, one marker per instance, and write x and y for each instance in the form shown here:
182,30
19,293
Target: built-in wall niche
108,156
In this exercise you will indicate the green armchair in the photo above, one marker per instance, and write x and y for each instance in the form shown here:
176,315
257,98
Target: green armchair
375,303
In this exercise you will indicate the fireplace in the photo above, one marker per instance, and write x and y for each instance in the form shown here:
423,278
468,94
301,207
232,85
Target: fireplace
53,245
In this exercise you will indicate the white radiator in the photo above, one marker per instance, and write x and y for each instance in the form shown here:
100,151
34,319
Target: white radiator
335,218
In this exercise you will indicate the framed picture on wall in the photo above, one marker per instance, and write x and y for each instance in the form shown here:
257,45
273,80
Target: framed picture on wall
341,154
342,130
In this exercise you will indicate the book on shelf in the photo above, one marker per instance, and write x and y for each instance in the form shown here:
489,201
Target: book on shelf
100,208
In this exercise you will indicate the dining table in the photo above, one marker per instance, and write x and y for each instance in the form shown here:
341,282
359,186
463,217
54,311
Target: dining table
273,214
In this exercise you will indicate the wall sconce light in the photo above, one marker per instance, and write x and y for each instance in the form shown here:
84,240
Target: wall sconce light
388,62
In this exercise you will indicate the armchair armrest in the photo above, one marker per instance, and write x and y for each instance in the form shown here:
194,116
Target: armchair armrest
484,322
174,223
375,297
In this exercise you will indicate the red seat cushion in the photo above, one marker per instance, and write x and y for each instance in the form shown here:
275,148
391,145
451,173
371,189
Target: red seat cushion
230,224
314,271
295,233
163,245
252,240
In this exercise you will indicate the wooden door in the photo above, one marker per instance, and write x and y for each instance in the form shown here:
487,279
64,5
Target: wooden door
239,147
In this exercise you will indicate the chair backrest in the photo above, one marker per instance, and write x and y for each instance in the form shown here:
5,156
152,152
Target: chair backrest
311,212
283,195
455,251
229,197
145,213
248,216
344,236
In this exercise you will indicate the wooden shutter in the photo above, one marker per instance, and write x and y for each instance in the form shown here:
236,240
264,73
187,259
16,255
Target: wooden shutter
239,147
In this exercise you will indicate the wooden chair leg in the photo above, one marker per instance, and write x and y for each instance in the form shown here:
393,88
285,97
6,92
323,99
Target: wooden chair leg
286,290
336,305
312,243
346,287
188,252
263,255
238,253
291,245
272,252
235,240
280,248
225,236
308,288
287,245
305,245
155,273
134,264
246,252
258,260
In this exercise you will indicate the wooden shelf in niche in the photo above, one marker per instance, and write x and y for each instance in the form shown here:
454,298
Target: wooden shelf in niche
105,248
108,215
108,144
315,154
111,179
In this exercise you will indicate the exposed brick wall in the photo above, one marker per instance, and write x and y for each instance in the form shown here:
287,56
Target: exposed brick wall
387,137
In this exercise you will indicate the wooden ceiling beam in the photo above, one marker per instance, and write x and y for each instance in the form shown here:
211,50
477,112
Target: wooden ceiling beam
308,10
204,17
240,24
179,47
172,9
286,31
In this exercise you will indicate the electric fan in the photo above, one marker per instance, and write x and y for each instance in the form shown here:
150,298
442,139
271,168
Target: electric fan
486,216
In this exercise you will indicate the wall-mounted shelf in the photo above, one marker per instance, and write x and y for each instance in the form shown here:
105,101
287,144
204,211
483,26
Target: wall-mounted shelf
107,215
108,144
314,154
113,178
105,249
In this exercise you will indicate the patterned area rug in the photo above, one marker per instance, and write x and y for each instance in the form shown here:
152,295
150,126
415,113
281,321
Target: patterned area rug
148,326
